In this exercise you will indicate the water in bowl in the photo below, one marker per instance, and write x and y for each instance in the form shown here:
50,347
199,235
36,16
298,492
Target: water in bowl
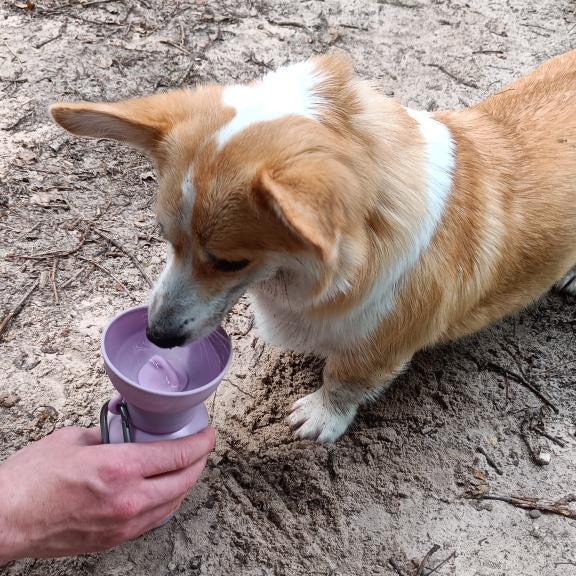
170,370
158,374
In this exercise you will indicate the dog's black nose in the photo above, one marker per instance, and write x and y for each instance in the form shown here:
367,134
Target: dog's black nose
164,340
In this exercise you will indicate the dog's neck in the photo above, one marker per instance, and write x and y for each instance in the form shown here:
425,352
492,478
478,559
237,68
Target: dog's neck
405,165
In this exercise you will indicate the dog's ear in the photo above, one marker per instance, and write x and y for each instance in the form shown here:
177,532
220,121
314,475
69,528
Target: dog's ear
305,199
141,122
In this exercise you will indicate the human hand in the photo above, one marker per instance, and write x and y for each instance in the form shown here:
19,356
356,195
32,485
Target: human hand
69,494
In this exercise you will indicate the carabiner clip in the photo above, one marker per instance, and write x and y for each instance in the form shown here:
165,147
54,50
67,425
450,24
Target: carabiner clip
124,419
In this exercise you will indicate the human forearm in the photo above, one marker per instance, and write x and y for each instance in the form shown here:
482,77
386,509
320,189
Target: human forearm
9,546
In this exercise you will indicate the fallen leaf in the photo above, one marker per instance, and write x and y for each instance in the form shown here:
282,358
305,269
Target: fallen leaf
49,199
478,474
28,5
480,490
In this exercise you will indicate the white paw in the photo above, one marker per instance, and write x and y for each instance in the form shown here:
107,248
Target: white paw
568,283
315,417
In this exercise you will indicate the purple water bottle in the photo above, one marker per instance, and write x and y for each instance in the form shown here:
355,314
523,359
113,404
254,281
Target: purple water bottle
161,392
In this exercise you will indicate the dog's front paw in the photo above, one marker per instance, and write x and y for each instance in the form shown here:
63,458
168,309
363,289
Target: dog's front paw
316,417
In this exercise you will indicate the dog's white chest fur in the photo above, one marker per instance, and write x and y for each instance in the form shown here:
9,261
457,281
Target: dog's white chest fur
296,330
300,331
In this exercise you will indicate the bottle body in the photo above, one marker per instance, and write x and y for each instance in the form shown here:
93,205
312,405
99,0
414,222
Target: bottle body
121,422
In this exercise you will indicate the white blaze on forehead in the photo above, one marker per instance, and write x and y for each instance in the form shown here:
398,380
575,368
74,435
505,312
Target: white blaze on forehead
287,91
187,199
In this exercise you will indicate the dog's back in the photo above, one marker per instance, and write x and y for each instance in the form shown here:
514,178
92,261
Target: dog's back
517,154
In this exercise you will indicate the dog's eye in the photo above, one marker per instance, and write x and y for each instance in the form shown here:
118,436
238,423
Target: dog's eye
227,265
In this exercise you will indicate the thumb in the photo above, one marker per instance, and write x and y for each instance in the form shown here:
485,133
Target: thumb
155,458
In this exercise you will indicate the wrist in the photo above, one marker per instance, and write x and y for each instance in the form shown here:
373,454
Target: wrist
9,542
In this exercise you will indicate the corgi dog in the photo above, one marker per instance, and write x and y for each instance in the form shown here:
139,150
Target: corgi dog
363,230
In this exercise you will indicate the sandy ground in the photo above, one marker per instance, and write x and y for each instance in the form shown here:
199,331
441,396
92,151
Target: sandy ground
377,501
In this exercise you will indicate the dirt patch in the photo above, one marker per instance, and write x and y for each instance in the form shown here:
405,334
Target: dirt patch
377,501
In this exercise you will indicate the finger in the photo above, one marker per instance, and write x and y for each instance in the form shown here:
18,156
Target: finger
173,485
154,458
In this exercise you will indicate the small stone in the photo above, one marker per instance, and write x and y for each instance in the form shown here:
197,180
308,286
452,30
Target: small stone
543,458
7,400
389,434
534,514
172,566
403,490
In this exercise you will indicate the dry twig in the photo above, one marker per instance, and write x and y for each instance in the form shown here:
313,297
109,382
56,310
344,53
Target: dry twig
468,83
253,60
106,271
71,279
184,78
554,439
566,563
13,54
16,310
395,566
488,52
127,252
174,45
90,21
53,280
398,4
96,2
51,39
213,404
491,462
438,566
238,388
28,232
559,507
525,428
54,254
288,24
422,565
521,380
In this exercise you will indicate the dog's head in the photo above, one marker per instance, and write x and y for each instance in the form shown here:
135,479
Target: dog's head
253,180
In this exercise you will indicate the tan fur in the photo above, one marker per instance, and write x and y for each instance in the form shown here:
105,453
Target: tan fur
509,233
356,181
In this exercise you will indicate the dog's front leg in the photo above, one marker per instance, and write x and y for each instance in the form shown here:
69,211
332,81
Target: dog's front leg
350,380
